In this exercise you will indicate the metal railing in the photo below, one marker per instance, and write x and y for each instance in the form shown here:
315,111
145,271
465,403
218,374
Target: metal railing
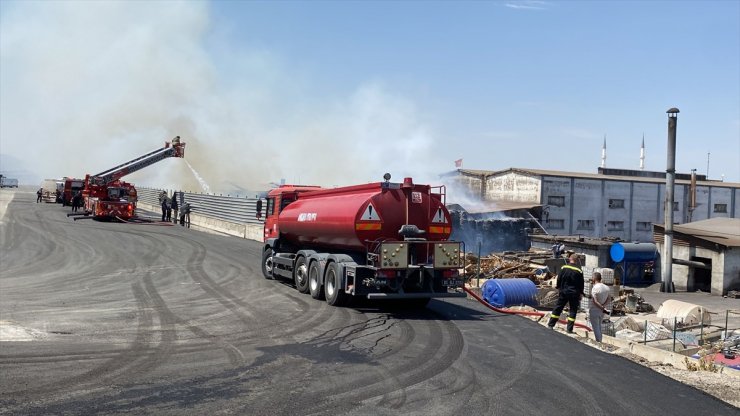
239,210
686,336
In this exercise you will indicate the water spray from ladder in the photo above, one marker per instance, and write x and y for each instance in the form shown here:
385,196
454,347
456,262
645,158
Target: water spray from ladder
201,181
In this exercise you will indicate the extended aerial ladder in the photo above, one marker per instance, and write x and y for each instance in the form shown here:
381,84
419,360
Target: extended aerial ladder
115,173
106,196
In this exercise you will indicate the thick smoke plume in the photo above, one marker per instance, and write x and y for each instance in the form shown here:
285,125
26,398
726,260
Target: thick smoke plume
89,85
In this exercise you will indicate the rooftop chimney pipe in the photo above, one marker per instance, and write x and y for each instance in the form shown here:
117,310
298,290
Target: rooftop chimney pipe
670,179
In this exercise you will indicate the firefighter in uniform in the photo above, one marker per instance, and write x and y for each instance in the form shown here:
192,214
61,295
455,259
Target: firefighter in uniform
570,286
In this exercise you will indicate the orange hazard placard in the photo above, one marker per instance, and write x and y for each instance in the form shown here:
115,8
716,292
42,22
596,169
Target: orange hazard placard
367,226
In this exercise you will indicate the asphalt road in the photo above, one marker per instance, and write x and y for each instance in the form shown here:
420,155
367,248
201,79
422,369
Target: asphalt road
112,318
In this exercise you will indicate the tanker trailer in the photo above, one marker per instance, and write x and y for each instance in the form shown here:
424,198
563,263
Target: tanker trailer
380,241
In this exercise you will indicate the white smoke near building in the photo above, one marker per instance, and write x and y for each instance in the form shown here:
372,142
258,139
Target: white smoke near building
89,85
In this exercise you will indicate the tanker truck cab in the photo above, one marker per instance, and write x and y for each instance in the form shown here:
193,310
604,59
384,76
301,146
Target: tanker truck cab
382,241
280,197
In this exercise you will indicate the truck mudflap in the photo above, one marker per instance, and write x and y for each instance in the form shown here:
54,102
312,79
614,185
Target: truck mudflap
420,295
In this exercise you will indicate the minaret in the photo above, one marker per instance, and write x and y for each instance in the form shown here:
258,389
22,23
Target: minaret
603,153
642,153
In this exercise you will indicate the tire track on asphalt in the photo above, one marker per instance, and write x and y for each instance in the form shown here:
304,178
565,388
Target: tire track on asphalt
235,356
127,357
426,363
258,291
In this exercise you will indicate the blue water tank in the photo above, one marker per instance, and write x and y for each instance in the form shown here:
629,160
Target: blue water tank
633,252
508,292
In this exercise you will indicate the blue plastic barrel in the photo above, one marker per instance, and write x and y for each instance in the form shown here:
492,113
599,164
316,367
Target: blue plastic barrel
633,252
508,292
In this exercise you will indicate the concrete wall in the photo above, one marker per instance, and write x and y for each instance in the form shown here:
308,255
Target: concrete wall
248,231
725,267
681,275
646,206
732,269
707,199
596,256
512,186
617,219
588,200
720,196
464,186
556,188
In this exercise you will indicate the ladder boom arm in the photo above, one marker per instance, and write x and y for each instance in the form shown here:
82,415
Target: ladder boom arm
176,150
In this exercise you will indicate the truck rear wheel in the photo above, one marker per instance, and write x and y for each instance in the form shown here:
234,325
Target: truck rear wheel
301,275
267,263
335,295
314,281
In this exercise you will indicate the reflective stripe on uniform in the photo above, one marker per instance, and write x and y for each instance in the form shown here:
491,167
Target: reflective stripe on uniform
571,319
571,267
555,316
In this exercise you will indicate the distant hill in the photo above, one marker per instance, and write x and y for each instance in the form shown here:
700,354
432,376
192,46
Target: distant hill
13,167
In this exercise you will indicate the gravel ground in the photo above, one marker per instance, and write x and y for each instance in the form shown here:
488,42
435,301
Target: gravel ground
721,386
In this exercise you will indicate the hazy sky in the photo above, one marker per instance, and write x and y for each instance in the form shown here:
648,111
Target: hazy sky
334,93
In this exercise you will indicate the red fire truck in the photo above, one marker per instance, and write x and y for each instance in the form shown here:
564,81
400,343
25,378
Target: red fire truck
71,187
106,196
378,241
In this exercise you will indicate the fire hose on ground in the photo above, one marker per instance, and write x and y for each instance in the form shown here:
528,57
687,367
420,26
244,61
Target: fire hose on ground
511,312
139,221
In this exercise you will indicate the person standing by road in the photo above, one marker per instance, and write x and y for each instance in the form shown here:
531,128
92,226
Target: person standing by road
185,215
597,304
165,207
162,199
168,217
570,287
39,194
174,205
76,201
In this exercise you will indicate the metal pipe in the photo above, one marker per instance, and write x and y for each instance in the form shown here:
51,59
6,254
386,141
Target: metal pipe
645,337
667,285
692,263
727,317
477,274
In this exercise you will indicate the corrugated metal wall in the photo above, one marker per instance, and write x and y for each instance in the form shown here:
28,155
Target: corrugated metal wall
240,210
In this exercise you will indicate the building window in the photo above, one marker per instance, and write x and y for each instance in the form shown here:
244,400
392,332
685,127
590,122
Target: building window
615,225
557,201
585,224
675,205
616,203
720,208
644,226
556,224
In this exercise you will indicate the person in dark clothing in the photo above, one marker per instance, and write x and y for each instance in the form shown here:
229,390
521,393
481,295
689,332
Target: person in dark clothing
76,201
570,287
168,217
162,203
185,215
174,205
165,208
39,193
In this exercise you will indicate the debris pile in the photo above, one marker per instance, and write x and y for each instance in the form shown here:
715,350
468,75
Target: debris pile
508,265
630,302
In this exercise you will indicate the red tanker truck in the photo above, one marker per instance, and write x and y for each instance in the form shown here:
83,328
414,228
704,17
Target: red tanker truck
380,240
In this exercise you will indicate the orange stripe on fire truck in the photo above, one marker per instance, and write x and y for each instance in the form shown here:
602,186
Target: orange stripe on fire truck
439,230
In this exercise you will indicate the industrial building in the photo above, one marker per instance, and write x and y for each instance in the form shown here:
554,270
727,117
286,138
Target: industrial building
616,203
706,255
